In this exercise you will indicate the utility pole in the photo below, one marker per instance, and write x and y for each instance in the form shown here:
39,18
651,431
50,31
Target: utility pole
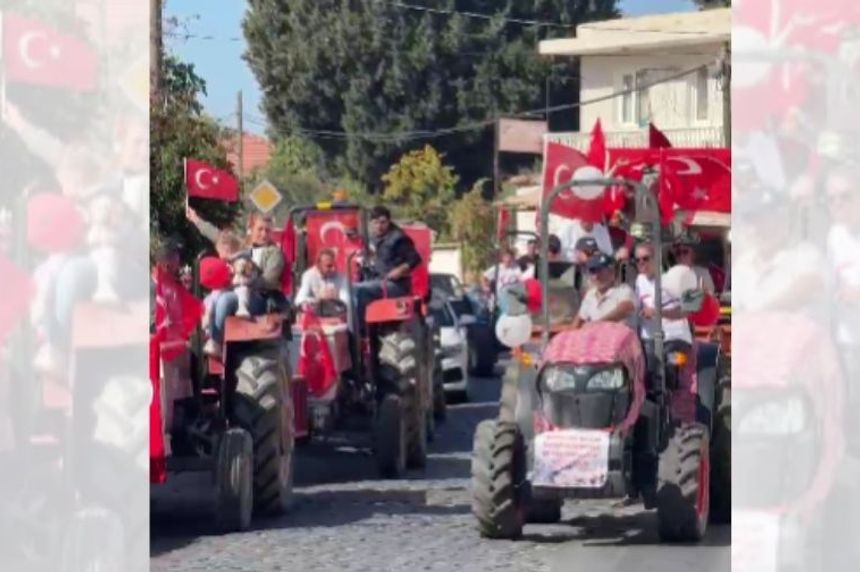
156,52
240,148
726,81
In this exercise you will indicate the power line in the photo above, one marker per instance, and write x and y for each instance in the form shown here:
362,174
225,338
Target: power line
432,134
476,15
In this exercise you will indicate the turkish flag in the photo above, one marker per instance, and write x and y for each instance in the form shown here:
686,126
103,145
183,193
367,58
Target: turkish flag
208,182
657,139
695,180
316,364
157,461
177,313
35,53
597,147
560,163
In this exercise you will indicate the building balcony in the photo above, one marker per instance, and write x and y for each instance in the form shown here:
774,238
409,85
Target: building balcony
686,137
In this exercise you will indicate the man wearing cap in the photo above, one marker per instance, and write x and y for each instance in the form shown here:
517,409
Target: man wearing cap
606,301
585,248
575,230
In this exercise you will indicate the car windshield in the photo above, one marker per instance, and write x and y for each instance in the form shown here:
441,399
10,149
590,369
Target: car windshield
442,316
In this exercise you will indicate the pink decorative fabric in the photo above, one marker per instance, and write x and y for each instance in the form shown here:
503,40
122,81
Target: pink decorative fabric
603,343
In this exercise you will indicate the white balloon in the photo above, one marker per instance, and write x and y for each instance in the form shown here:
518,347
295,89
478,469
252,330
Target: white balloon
588,192
680,279
514,331
749,73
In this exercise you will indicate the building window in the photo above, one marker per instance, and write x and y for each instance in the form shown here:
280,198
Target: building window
702,99
643,99
627,99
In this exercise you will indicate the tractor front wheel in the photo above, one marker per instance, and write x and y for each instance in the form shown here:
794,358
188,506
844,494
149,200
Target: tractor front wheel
234,481
390,437
683,488
261,406
498,480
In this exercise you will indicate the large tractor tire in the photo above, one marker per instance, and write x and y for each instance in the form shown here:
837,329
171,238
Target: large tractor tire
399,368
390,437
498,480
482,352
683,487
721,457
261,406
234,481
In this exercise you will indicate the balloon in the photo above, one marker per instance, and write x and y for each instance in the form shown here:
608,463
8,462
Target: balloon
588,192
214,273
709,314
680,279
514,331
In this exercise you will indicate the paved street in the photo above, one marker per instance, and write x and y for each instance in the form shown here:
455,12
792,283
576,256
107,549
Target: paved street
345,519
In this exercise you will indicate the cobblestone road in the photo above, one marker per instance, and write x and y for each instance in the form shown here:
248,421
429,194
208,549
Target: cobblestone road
345,519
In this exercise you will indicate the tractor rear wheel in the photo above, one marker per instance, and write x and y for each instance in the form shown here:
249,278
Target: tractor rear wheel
399,368
390,437
261,406
498,479
683,488
721,457
234,481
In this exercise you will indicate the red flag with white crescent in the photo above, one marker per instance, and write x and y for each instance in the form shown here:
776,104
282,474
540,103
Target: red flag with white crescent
35,53
693,180
177,313
316,364
208,182
560,165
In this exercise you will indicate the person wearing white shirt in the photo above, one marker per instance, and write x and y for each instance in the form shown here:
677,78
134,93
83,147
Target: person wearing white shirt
322,281
509,272
675,325
574,230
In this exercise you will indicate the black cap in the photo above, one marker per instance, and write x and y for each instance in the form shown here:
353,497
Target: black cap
553,244
587,244
599,261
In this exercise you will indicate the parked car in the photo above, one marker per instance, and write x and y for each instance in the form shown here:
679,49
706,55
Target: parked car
483,346
453,346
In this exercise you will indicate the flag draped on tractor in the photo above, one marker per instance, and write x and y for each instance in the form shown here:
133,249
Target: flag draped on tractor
316,364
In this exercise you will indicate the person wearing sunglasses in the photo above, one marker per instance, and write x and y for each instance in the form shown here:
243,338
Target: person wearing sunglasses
675,325
684,251
606,300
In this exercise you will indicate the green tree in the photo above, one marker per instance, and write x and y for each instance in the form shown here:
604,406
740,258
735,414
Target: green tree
472,219
180,130
421,187
370,67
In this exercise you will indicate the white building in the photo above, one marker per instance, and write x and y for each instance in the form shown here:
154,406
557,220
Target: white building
623,54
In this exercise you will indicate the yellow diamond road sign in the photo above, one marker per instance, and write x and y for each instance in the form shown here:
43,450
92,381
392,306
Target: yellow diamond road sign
265,196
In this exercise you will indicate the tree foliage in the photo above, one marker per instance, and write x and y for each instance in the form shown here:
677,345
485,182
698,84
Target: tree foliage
180,130
370,67
472,219
421,187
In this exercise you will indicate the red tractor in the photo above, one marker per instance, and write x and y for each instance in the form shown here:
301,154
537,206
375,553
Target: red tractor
236,416
581,417
384,372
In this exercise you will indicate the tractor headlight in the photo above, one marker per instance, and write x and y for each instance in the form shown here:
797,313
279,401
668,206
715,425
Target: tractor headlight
559,379
678,359
607,380
783,417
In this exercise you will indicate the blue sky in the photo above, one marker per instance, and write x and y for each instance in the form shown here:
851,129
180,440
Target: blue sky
220,63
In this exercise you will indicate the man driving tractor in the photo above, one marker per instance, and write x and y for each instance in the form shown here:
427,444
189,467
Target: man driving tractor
606,301
394,256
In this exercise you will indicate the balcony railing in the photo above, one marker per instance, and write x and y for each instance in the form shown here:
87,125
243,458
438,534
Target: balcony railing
687,137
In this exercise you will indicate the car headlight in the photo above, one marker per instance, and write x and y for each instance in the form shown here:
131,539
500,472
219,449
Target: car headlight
784,417
607,379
